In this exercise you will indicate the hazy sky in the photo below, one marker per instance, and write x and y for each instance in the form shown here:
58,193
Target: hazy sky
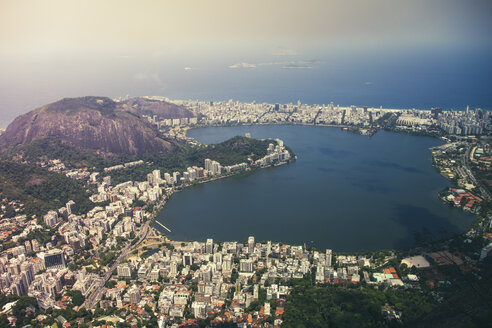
50,27
51,49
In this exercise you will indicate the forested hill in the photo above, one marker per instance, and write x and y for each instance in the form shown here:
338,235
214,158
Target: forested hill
233,151
40,190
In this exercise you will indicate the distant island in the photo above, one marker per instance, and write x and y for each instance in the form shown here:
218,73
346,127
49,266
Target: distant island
82,180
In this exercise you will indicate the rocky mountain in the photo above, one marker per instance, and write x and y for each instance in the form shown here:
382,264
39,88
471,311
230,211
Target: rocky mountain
160,108
96,123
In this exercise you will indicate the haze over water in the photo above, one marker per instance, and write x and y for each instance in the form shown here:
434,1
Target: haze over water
397,54
346,192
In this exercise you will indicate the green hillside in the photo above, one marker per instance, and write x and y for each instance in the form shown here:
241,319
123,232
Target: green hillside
40,190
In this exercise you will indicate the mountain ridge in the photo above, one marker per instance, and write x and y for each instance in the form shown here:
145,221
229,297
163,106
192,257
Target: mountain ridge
97,123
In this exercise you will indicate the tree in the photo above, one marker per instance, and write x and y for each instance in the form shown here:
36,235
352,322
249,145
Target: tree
4,323
110,284
77,297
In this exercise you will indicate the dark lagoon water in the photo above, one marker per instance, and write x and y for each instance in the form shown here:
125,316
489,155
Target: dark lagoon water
345,192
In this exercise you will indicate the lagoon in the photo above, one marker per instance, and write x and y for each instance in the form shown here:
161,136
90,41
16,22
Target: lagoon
346,192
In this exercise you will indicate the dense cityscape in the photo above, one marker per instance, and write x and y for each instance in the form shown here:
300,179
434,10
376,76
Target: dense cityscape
224,164
113,266
453,122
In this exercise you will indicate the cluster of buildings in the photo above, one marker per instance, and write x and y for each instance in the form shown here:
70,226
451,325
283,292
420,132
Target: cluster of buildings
160,123
14,224
453,162
182,282
56,165
233,112
34,269
481,155
242,283
275,153
198,280
41,268
229,282
469,122
463,198
353,115
122,166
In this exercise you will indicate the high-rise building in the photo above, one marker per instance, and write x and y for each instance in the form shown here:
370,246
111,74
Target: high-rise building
208,164
169,179
191,173
124,270
27,269
154,274
35,245
177,177
157,177
151,179
187,259
205,273
71,207
17,287
13,268
5,280
218,258
251,244
134,294
246,265
214,168
54,259
173,268
107,180
209,246
28,246
436,111
51,219
267,308
227,263
186,176
328,257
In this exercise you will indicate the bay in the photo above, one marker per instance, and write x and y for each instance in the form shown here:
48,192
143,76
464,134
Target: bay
346,192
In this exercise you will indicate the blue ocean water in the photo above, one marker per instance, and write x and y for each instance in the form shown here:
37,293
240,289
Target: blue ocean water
346,192
422,79
448,77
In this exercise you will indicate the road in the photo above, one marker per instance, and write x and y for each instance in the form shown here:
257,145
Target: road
484,192
96,294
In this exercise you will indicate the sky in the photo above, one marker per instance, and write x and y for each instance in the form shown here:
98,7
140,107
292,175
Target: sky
52,49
